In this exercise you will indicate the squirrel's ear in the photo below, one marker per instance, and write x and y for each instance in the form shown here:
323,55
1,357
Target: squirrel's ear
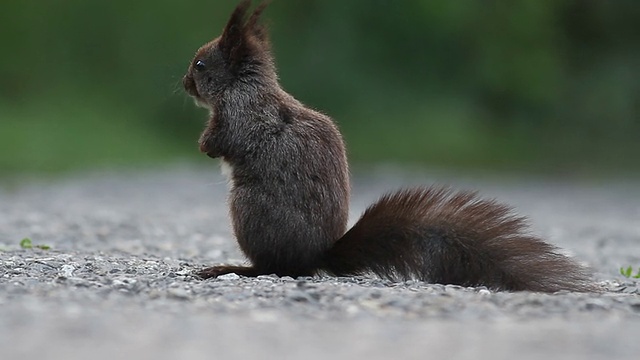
233,37
253,26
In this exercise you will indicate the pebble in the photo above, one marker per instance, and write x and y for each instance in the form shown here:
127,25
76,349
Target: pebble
230,276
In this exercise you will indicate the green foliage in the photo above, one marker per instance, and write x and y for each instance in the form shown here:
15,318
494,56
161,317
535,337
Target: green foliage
549,83
26,243
628,272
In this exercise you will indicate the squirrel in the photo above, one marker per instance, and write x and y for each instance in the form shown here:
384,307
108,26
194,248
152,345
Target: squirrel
289,191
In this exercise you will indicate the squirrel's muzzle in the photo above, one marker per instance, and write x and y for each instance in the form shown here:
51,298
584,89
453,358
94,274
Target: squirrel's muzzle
190,86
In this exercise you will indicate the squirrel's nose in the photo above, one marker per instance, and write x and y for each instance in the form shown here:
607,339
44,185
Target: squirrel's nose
189,85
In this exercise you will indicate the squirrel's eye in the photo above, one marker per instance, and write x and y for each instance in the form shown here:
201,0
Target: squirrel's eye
199,65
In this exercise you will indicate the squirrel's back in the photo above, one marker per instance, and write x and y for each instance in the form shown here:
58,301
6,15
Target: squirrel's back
290,195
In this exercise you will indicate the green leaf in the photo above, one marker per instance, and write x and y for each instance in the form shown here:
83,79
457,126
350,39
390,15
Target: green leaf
26,243
43,247
628,272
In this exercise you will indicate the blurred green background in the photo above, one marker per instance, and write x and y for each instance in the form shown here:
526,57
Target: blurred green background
529,85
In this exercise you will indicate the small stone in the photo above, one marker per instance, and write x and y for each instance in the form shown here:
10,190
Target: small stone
300,296
67,271
178,293
230,276
267,277
183,272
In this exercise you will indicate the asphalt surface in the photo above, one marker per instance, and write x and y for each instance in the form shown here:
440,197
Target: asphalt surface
117,280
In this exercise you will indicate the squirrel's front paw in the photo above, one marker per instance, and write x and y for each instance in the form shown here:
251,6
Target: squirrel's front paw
206,146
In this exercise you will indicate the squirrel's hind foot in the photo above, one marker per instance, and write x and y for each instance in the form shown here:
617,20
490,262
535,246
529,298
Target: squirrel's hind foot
215,271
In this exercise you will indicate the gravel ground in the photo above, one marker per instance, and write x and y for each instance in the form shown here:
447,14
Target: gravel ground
117,281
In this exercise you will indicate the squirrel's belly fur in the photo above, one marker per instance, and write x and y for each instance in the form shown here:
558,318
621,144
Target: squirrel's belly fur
290,191
226,169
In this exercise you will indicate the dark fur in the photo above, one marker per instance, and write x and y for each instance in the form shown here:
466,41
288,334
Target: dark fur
449,237
290,191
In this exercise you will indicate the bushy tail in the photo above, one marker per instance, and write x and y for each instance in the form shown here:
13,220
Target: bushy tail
441,236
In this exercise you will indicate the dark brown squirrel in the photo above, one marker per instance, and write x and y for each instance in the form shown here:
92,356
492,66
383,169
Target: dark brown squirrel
289,193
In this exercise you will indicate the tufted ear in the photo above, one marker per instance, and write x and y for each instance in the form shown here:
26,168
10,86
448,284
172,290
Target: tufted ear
254,27
235,39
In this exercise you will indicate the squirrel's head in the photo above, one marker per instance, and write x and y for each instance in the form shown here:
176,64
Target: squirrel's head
242,52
